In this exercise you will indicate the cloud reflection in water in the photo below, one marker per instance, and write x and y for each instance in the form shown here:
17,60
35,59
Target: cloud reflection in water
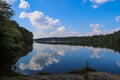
39,61
44,55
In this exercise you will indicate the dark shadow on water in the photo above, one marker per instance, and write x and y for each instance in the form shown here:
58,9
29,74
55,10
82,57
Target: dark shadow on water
83,71
9,58
115,47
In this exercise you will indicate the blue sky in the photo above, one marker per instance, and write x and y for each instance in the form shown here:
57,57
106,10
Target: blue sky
58,18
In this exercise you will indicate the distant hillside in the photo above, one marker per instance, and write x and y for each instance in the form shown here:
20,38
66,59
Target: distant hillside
114,37
108,41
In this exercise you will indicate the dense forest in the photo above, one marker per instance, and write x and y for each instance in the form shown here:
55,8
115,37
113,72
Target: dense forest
14,39
111,41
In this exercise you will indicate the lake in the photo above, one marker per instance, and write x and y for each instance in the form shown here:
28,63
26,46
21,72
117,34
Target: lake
59,59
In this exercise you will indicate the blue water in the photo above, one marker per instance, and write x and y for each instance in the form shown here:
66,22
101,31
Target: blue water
59,59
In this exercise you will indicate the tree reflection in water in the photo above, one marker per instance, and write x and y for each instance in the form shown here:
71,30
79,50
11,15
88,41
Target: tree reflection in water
50,57
8,59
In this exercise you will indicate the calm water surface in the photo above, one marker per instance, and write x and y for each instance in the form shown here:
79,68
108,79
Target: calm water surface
58,59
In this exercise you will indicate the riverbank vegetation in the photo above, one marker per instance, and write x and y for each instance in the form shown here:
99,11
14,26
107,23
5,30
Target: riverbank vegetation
83,70
14,39
111,41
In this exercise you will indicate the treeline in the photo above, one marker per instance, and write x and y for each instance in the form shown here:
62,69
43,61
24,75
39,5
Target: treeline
13,38
111,41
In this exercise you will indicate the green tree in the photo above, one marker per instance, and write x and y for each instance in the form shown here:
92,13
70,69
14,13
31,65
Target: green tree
6,11
13,39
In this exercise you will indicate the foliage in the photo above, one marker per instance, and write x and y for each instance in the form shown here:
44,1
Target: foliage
27,35
44,73
83,70
10,38
6,11
111,41
13,39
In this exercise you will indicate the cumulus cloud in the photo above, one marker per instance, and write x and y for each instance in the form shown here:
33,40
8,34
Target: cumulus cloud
99,1
96,29
95,6
62,32
24,4
46,26
61,29
39,20
96,3
118,19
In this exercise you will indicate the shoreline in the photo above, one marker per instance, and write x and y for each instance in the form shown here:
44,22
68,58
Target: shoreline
85,76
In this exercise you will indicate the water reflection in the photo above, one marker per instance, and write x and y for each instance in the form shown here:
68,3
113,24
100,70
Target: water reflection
118,63
63,58
39,61
8,59
43,56
96,53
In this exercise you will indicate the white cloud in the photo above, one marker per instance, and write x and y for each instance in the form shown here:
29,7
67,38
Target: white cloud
39,20
24,4
9,1
96,3
99,1
95,6
96,27
61,29
47,26
63,32
118,19
23,15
